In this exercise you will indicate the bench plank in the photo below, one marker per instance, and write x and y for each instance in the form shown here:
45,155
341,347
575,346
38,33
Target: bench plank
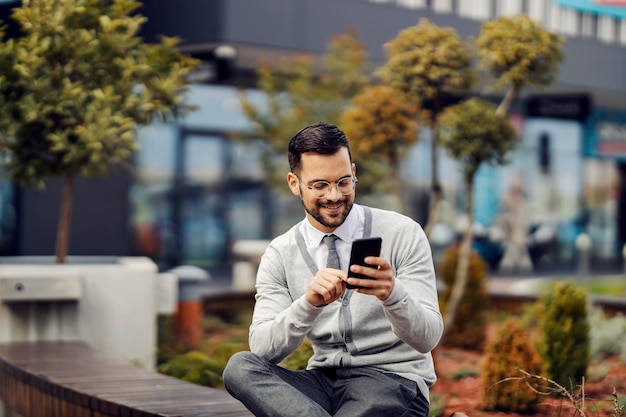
64,379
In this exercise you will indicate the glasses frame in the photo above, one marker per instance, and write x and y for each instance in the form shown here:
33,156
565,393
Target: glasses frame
329,184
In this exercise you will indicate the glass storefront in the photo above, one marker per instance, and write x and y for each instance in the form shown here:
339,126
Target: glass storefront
198,189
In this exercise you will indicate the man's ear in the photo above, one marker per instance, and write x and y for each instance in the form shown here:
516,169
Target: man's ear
293,183
354,169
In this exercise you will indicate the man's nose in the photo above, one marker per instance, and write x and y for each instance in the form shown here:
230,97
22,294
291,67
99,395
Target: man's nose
333,192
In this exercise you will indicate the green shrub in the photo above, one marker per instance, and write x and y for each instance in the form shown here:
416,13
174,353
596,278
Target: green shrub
503,388
168,346
299,358
437,405
564,334
464,372
470,323
196,367
607,335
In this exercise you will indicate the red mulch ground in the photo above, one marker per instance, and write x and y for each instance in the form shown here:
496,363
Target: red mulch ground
463,394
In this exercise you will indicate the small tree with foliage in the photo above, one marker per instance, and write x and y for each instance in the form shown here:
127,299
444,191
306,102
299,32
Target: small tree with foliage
382,125
74,87
473,134
469,328
429,63
510,351
564,333
303,90
518,52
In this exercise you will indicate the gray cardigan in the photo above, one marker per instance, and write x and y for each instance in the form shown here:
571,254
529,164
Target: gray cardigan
395,336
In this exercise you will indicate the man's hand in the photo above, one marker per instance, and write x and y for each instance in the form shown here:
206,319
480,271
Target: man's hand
382,279
327,286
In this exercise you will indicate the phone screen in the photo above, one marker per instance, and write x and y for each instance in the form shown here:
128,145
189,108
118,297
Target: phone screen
362,248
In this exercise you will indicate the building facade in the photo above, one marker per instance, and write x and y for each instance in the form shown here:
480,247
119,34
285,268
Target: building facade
195,190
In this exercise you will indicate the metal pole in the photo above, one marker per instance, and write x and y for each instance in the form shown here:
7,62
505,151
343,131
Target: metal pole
583,245
624,257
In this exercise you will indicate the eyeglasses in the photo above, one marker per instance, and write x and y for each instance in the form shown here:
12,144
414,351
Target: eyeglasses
345,186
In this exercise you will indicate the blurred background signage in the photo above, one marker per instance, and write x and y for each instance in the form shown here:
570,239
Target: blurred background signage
611,137
559,106
606,131
615,8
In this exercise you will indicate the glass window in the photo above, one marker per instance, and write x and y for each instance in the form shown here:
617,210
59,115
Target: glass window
203,229
509,7
7,218
442,6
205,159
155,160
537,10
246,214
411,4
606,29
588,25
219,108
155,233
247,160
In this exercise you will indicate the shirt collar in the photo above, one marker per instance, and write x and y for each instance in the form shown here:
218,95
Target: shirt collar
346,232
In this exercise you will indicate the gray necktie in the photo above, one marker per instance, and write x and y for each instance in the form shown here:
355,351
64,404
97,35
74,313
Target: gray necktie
333,258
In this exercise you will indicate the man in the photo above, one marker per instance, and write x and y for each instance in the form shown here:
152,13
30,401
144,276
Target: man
371,344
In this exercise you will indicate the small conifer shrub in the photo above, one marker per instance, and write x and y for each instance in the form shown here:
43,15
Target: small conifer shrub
470,324
510,351
564,334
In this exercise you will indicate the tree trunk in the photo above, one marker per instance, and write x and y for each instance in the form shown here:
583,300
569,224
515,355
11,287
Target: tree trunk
435,188
461,277
397,186
507,101
63,231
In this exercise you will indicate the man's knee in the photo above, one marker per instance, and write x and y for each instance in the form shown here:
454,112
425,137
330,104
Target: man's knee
238,368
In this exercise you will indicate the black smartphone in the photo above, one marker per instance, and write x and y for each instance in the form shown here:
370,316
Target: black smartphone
362,248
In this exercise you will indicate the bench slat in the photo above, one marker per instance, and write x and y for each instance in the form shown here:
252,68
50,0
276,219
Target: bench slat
62,379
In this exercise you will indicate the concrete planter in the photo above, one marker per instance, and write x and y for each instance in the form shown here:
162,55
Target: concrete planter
110,303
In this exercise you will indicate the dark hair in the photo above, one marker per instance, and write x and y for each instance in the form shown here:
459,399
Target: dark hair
321,138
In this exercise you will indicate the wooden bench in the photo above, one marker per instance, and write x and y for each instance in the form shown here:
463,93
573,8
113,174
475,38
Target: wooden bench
70,379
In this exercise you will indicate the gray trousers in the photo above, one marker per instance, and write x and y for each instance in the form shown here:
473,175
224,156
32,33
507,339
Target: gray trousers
269,390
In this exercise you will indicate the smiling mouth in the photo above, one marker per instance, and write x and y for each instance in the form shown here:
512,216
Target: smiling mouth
332,206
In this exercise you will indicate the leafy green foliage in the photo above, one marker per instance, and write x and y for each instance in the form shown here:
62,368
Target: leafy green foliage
564,329
472,133
468,330
437,405
518,52
381,125
425,61
464,372
381,121
429,63
509,351
301,91
299,358
607,335
76,86
196,367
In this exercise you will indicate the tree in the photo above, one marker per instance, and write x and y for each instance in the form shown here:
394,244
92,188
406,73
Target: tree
75,85
302,90
518,52
381,124
432,65
473,134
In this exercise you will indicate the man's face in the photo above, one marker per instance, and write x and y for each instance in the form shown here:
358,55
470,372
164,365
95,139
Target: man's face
330,211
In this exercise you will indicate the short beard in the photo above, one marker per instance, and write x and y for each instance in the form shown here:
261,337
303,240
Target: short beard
321,220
